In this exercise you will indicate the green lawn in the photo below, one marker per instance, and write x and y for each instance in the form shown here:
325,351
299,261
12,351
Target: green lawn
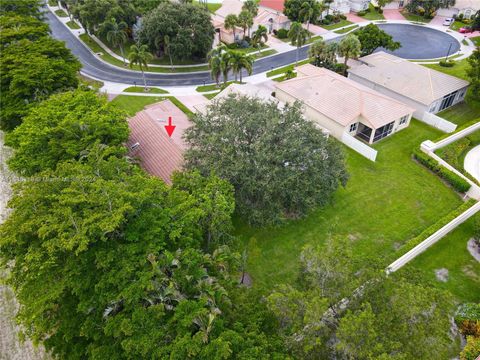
345,30
415,17
372,14
212,7
281,70
212,87
476,40
384,204
457,25
114,61
141,89
53,2
73,25
451,253
61,13
211,95
133,104
340,24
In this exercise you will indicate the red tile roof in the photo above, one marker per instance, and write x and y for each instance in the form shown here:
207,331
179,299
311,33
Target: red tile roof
273,4
159,154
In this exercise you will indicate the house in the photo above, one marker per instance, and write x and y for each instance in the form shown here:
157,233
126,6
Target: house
343,106
159,154
424,89
271,19
466,7
228,7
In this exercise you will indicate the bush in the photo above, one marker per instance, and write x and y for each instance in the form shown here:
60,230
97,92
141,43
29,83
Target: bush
448,63
242,44
410,244
471,349
275,32
458,183
362,13
232,46
326,22
380,11
282,33
329,17
340,68
342,17
460,16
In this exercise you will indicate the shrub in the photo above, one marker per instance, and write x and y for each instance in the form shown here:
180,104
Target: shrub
275,32
282,33
232,46
460,16
448,63
380,11
362,13
471,349
326,22
342,17
458,183
243,44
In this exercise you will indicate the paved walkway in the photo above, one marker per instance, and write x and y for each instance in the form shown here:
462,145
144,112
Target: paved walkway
393,14
437,21
472,162
354,18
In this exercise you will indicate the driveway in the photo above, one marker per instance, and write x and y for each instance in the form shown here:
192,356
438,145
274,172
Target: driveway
354,18
393,14
472,162
438,21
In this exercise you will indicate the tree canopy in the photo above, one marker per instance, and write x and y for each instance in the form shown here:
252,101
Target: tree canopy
279,164
187,26
473,72
302,10
372,37
62,127
15,27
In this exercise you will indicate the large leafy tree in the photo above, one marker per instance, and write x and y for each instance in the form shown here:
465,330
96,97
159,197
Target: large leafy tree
188,26
279,164
346,307
473,72
62,127
107,263
22,7
31,71
372,37
16,27
302,10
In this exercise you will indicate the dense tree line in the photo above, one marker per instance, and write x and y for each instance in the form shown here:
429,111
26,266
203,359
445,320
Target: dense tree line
32,64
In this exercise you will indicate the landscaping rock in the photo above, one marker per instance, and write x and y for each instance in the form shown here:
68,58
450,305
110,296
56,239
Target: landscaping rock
473,249
442,274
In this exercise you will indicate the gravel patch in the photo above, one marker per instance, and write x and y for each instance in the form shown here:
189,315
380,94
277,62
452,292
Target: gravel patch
441,274
473,249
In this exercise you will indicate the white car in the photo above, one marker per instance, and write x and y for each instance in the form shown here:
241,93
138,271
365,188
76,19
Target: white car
448,21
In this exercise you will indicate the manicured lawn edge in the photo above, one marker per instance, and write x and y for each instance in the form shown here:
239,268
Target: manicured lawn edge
347,29
340,24
141,89
410,244
73,25
284,69
61,13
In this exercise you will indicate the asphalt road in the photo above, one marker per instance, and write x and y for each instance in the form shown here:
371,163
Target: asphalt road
100,70
417,43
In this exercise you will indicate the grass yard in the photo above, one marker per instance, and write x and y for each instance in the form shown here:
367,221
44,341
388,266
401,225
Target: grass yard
384,204
340,24
372,14
212,7
451,253
457,25
141,89
61,13
415,17
211,95
345,30
212,87
87,40
284,69
73,25
476,40
133,104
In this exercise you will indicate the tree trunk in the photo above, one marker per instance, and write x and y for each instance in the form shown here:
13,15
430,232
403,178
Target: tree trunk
240,76
143,75
296,56
171,61
345,63
123,55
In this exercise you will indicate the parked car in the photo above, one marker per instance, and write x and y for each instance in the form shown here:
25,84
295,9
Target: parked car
466,29
448,21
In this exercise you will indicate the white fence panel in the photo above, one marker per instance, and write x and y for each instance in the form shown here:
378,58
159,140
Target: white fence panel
359,146
438,122
458,135
424,245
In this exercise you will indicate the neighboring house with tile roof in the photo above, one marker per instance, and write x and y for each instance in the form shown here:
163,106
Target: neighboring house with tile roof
425,89
466,7
159,154
343,106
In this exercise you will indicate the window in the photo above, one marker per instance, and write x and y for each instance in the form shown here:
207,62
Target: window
353,127
447,100
403,120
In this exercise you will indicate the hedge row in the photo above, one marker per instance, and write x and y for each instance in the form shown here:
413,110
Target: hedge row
457,182
410,244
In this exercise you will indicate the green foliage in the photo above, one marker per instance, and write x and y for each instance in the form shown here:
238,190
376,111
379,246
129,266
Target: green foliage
282,33
22,8
279,164
17,27
323,54
446,63
62,127
188,26
473,72
410,244
450,177
296,10
428,8
30,72
471,349
349,47
371,37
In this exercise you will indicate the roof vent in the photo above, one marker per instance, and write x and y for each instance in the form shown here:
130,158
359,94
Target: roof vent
135,146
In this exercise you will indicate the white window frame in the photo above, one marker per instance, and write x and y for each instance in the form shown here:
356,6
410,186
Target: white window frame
353,127
403,120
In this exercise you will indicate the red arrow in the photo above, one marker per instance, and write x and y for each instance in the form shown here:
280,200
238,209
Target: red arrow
170,128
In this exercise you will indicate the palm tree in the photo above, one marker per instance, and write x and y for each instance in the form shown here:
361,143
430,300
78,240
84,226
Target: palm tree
115,33
260,36
166,48
245,20
215,62
251,6
239,61
139,55
327,3
225,66
298,35
230,23
306,12
349,47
